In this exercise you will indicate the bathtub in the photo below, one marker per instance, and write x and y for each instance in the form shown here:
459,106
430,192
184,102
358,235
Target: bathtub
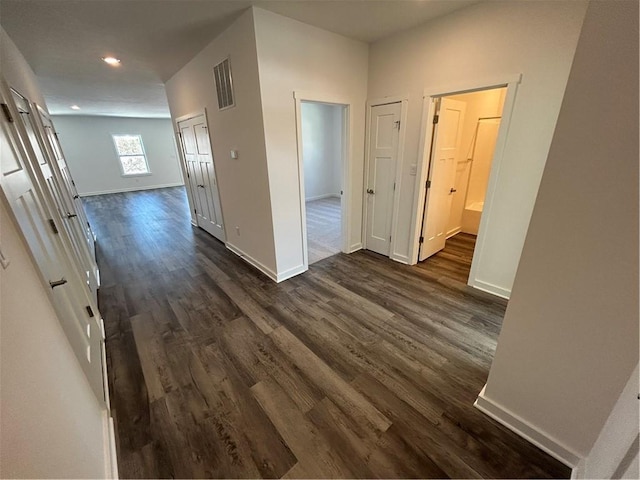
471,217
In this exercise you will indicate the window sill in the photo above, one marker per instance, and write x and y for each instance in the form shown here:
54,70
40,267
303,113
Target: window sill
126,175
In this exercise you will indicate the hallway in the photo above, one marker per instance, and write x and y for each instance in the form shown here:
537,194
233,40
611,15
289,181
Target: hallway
361,367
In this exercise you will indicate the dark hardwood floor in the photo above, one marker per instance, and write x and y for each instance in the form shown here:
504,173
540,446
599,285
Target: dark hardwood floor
361,367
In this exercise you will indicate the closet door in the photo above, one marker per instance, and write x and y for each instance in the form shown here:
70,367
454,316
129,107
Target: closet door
43,230
46,168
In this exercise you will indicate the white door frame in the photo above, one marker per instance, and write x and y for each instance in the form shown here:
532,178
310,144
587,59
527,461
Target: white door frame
347,153
428,110
404,103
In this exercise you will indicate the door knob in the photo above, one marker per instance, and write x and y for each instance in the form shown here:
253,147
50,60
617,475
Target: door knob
71,215
453,190
370,191
200,186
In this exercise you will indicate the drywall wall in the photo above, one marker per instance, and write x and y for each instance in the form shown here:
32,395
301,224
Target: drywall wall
321,149
244,182
296,57
478,105
88,147
483,43
52,425
569,340
618,436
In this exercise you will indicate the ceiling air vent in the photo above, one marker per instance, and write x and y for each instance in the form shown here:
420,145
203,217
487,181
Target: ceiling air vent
224,84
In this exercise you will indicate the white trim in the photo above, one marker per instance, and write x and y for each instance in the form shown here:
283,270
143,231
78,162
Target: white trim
355,247
320,197
399,258
253,262
109,443
347,162
292,272
490,288
428,110
453,232
131,189
526,430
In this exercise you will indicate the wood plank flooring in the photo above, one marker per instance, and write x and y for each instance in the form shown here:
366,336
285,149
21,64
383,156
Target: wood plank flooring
324,228
361,367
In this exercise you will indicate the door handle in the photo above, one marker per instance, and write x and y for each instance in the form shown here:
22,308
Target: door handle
453,190
200,186
58,283
71,215
75,197
370,191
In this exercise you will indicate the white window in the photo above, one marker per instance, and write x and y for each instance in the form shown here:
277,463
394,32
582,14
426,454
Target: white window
130,150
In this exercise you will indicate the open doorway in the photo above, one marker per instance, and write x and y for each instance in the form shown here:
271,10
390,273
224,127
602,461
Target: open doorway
323,149
465,133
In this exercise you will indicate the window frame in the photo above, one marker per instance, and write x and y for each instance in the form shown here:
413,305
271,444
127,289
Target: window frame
119,157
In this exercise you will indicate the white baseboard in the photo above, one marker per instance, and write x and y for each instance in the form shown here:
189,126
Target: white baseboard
453,232
527,431
355,247
253,262
292,272
320,197
490,288
400,258
110,455
131,189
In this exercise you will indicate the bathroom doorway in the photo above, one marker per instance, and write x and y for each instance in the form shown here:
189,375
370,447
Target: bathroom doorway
465,132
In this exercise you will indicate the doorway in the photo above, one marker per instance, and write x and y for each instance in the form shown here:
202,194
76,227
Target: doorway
323,146
464,137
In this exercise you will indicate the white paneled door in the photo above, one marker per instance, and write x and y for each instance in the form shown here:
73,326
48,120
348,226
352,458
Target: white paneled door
201,175
384,128
43,229
442,175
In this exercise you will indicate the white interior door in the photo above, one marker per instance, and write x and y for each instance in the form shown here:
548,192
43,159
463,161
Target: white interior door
384,131
203,184
58,192
64,174
442,172
44,235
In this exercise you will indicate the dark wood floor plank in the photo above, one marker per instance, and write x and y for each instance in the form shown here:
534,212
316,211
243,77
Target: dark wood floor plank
360,368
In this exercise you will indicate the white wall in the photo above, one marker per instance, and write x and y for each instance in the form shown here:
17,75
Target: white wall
295,57
88,147
51,423
488,40
243,183
617,436
478,105
321,149
569,340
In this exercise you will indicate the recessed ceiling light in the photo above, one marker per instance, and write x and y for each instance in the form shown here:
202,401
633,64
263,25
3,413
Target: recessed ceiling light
111,61
75,107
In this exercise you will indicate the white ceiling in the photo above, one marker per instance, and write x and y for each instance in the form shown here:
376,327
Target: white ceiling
63,41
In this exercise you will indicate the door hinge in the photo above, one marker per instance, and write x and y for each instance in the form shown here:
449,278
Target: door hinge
394,186
195,211
89,311
73,183
52,224
428,183
7,112
421,240
436,118
397,122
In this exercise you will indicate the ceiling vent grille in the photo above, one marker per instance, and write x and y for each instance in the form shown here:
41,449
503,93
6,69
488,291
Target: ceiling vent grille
224,84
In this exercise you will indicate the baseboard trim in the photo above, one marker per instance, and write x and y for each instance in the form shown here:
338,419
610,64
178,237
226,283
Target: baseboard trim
527,431
131,189
453,232
400,258
292,272
320,197
110,455
253,262
490,288
355,247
